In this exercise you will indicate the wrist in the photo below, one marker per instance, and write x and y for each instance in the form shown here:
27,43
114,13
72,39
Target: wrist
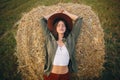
65,12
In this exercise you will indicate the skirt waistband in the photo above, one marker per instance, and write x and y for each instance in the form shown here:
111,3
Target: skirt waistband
60,74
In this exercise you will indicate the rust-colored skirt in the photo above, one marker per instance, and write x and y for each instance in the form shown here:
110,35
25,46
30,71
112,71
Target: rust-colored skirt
54,76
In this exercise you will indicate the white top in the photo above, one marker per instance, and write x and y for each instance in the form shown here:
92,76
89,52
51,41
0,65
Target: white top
61,57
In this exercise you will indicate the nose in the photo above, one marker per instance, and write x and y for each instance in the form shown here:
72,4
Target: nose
61,26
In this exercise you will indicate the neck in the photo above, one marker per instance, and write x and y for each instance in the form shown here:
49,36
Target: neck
60,37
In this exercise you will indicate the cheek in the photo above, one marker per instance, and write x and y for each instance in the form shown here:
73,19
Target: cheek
64,28
57,29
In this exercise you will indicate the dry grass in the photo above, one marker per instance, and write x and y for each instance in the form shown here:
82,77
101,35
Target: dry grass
30,42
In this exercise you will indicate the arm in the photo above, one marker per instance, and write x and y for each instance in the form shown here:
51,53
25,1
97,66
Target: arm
57,11
72,16
77,25
47,16
44,21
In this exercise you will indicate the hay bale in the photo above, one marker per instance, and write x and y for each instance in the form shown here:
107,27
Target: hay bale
30,42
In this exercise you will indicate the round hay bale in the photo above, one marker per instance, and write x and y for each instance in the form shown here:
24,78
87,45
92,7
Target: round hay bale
30,43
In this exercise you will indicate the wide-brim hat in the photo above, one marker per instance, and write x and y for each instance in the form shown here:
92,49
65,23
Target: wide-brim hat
62,16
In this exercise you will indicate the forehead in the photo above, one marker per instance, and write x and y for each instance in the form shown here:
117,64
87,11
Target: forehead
61,22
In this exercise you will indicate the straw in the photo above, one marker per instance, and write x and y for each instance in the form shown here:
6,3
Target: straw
90,48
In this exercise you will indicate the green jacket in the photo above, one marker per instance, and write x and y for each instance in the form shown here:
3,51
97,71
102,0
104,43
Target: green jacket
51,45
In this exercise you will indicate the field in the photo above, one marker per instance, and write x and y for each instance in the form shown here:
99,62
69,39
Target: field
11,11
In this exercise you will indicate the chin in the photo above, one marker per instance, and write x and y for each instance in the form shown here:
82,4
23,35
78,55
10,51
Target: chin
61,32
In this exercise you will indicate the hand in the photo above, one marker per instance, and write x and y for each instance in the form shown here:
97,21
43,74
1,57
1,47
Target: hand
60,10
65,12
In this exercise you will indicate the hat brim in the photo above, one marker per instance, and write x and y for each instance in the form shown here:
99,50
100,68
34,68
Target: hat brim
61,16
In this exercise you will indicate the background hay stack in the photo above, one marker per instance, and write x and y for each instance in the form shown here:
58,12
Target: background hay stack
30,42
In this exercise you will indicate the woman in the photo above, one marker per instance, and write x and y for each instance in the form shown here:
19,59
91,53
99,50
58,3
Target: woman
61,36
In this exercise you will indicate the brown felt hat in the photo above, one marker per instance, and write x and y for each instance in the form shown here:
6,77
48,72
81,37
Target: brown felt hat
62,16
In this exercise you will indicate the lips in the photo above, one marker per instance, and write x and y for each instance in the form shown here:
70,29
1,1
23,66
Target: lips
61,30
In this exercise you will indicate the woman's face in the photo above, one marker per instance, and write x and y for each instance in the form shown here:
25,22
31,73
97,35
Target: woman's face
60,28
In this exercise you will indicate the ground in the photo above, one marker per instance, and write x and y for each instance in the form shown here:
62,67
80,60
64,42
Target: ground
11,11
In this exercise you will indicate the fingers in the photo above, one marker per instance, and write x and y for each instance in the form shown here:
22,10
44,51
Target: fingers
63,10
60,10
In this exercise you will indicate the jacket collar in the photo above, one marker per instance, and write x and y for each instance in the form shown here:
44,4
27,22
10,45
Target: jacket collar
53,38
